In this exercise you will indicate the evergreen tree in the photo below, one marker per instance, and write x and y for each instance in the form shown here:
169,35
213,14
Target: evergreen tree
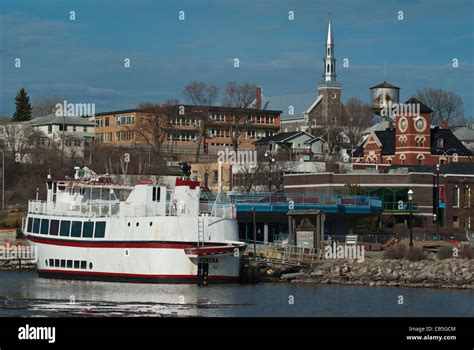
23,106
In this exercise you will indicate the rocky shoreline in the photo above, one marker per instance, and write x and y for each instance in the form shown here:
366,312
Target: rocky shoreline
448,273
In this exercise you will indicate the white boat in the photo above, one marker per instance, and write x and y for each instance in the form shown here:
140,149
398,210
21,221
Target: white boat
93,230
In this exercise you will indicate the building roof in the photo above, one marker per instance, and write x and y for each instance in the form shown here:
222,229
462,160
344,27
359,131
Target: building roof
300,103
191,107
449,168
451,144
54,119
281,137
464,133
380,126
385,85
423,108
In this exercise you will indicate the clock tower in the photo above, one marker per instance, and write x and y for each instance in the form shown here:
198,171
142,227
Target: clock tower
412,133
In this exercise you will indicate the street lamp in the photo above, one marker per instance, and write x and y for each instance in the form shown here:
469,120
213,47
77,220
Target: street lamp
269,155
410,200
437,199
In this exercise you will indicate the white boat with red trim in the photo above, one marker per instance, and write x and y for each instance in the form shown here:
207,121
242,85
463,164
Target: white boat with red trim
93,230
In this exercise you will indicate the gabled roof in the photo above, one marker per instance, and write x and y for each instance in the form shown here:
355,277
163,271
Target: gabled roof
423,108
450,142
380,126
386,138
282,137
314,139
54,119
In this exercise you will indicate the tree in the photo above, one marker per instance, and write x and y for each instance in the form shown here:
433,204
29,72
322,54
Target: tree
446,105
237,98
155,124
46,106
202,96
19,138
356,117
23,106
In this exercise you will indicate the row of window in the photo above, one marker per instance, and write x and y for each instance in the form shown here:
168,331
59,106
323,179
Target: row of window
70,264
100,122
124,135
67,228
124,120
67,128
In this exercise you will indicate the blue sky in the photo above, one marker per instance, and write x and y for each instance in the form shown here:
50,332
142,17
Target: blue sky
82,60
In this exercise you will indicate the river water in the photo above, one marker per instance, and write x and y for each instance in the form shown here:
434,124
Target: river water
25,294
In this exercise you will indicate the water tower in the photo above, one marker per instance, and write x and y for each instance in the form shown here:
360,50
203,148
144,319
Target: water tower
382,95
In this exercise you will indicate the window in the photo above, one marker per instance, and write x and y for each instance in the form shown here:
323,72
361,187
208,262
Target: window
456,196
83,264
69,264
65,227
76,263
30,225
36,225
50,129
63,263
99,229
56,262
51,262
53,230
88,229
156,194
76,229
455,221
440,143
106,121
467,197
44,226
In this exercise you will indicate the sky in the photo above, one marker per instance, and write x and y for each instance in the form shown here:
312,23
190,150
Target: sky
83,60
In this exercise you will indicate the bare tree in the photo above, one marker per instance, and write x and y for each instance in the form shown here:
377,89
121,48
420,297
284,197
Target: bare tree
356,117
19,137
237,98
202,96
155,124
446,105
46,106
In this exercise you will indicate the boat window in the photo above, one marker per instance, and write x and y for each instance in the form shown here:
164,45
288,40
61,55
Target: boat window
30,225
158,193
83,264
90,266
44,226
56,262
36,226
76,229
63,263
51,262
88,229
76,264
65,227
99,229
53,230
69,264
153,198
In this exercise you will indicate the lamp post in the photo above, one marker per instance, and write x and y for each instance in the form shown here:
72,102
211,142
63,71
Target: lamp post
437,200
410,200
269,155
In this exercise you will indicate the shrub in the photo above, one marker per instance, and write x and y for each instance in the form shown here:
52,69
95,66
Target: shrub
415,254
398,252
465,251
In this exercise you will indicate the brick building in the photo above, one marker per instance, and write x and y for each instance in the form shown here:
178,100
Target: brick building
411,141
181,131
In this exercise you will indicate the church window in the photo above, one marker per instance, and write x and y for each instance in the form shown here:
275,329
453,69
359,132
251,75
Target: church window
440,143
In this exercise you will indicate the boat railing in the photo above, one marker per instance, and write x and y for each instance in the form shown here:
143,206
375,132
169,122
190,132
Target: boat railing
221,210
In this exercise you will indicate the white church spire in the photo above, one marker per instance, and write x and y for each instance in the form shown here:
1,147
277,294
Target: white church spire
329,60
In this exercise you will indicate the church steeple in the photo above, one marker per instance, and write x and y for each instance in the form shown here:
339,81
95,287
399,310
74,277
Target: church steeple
329,60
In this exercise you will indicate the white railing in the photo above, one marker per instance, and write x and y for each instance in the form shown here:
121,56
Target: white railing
221,210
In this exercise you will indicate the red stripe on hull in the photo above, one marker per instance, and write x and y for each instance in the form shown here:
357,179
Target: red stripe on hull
85,244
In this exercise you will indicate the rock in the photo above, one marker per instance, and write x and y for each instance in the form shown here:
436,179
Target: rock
289,276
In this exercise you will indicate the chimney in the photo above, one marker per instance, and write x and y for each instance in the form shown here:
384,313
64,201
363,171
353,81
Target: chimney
444,124
258,97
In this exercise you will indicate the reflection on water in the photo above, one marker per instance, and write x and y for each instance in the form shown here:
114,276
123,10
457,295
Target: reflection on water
24,294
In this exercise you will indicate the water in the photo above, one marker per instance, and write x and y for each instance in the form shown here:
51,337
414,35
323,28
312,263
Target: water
25,294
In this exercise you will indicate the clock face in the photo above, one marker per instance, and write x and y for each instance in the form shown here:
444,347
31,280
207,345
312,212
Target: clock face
420,124
403,124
